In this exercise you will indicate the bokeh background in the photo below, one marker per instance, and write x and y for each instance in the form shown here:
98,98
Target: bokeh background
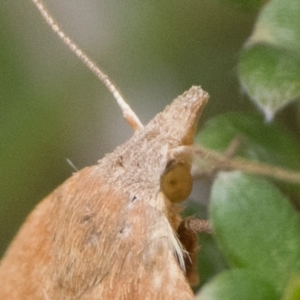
52,108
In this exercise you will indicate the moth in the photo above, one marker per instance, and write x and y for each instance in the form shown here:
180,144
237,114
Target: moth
114,230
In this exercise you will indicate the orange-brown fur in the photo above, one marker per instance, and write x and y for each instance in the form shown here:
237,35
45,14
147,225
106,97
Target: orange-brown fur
108,232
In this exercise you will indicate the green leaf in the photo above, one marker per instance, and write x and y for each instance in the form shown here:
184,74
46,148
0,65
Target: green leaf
271,77
269,64
260,141
238,285
279,25
256,227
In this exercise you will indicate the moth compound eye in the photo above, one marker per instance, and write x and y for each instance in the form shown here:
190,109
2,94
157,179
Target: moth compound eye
176,182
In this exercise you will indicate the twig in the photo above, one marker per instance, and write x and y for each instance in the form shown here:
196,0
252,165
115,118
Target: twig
222,162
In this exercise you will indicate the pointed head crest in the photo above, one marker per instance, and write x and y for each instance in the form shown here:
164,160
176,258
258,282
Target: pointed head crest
180,119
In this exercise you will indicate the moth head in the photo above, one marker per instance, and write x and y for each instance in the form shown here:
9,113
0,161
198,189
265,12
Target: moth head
178,122
158,157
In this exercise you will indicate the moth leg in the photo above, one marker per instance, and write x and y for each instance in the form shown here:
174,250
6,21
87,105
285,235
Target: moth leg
198,225
187,233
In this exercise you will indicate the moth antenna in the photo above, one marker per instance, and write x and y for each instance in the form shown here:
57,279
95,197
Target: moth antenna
128,113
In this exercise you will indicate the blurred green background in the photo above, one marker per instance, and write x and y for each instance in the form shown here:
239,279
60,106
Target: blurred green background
52,108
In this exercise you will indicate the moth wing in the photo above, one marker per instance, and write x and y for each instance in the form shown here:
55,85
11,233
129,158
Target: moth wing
143,265
88,240
65,244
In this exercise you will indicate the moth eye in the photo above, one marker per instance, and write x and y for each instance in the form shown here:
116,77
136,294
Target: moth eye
177,182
